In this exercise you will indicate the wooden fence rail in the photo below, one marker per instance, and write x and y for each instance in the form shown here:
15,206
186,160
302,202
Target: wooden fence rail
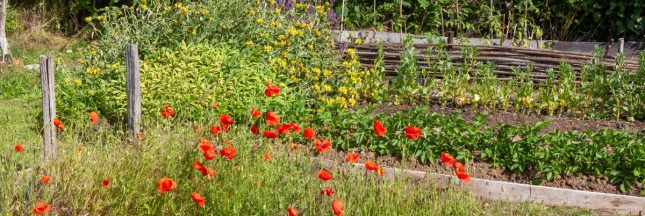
504,58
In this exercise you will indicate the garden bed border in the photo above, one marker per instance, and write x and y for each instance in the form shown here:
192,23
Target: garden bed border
514,192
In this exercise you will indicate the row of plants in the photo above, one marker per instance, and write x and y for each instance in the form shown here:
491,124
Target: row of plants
520,149
518,20
595,92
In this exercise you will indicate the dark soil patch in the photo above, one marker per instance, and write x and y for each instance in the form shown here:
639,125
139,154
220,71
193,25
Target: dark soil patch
483,170
497,117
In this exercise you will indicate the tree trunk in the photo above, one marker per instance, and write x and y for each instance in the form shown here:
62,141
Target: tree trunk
4,44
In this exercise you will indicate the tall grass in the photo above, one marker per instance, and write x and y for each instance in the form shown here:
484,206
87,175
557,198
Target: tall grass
245,185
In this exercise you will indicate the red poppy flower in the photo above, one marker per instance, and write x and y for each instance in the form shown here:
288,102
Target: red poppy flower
140,137
294,127
225,128
225,119
198,199
379,171
283,129
325,175
41,208
337,206
352,158
463,176
271,89
228,152
19,147
105,183
167,112
210,173
272,119
270,134
209,155
255,130
309,134
447,159
198,166
205,145
94,117
45,179
295,147
370,165
327,191
255,113
292,212
379,130
214,130
165,184
58,124
459,167
267,156
322,146
412,132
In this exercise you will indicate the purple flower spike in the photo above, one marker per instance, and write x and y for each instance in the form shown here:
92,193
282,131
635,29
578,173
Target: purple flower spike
331,17
311,9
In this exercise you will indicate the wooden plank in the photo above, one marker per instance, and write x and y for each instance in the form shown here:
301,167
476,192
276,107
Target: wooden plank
133,88
514,192
48,106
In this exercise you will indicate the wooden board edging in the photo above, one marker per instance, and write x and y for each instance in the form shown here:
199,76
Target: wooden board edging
514,192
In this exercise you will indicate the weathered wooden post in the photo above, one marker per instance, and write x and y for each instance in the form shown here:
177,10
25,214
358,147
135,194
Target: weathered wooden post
49,106
451,39
621,45
134,88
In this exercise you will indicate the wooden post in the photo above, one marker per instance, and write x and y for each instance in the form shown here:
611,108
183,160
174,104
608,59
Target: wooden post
134,88
621,45
451,39
49,106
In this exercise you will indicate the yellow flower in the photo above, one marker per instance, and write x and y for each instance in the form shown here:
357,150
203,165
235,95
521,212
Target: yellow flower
352,101
282,37
78,82
316,70
101,17
144,7
88,19
292,31
276,11
205,12
326,73
271,1
268,48
342,90
259,20
67,80
249,43
310,46
351,52
326,88
358,41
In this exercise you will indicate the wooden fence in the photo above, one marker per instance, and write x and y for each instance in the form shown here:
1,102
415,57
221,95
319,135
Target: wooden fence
504,58
47,68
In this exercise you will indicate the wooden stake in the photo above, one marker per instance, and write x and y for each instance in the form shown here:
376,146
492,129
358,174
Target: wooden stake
451,39
49,106
134,88
621,45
